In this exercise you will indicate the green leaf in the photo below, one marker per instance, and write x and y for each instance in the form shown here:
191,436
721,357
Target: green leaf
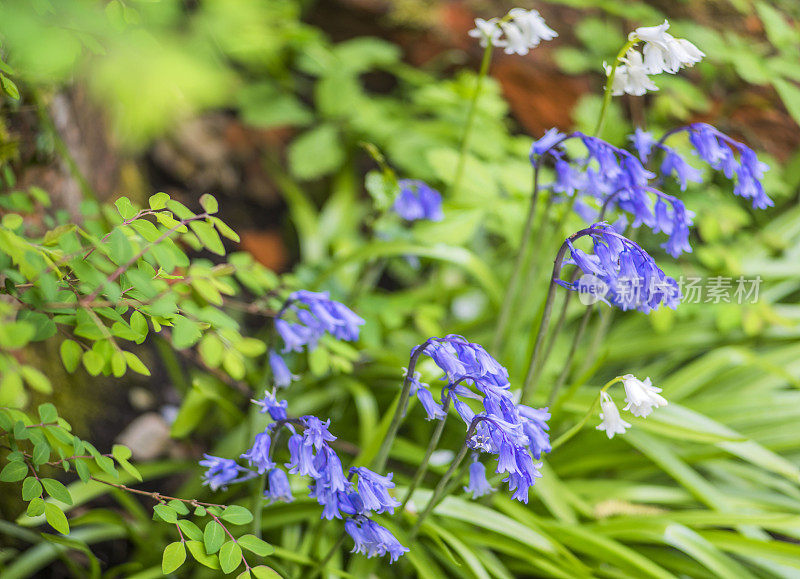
70,354
82,469
198,552
213,537
9,87
237,515
57,490
179,507
135,364
255,545
209,203
48,412
31,488
126,210
158,201
13,472
190,530
185,333
264,572
35,507
55,516
790,95
93,362
121,452
166,513
316,153
41,453
36,379
208,236
230,557
174,556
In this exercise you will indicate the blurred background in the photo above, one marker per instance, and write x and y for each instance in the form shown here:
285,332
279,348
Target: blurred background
267,104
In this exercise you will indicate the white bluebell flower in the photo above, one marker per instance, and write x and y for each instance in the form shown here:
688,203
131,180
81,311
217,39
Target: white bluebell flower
517,33
610,420
631,76
641,397
487,31
663,52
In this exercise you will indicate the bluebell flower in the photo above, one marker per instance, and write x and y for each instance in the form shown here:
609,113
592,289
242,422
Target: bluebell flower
417,200
322,315
631,276
281,374
372,539
373,489
478,485
419,389
643,142
295,336
278,488
222,472
270,404
316,433
301,457
719,151
258,455
547,142
534,425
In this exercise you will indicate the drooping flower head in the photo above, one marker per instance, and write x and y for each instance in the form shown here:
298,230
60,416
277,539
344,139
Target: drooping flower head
281,374
373,489
222,472
418,200
372,539
316,314
478,485
258,456
610,420
641,397
631,76
272,406
517,33
631,277
663,52
278,488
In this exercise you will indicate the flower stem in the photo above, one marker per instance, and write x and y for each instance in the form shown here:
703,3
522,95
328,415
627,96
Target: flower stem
441,487
576,340
575,429
513,283
383,453
473,106
534,367
423,467
610,84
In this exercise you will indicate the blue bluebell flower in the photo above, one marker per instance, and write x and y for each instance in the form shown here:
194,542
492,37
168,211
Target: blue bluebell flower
478,485
301,457
718,150
258,456
417,200
222,472
278,488
281,374
295,336
631,276
643,142
373,489
549,141
316,433
372,539
323,315
433,409
534,425
271,405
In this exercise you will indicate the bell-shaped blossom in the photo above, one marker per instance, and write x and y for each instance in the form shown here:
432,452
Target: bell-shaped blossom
487,31
641,397
272,406
372,539
222,472
631,76
418,200
663,52
433,409
631,277
373,489
478,485
610,420
258,456
282,376
534,425
517,33
278,488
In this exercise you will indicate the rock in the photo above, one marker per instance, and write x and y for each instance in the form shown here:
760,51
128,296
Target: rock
147,436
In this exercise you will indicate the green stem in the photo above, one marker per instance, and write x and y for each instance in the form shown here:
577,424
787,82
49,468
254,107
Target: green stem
576,340
439,491
324,561
473,106
534,366
592,409
383,454
609,85
524,246
423,467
